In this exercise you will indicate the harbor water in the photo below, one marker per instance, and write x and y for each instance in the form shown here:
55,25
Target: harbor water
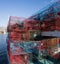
3,49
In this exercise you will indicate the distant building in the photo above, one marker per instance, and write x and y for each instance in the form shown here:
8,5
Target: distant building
3,30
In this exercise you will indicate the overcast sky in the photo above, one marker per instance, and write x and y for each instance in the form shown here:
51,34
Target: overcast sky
20,8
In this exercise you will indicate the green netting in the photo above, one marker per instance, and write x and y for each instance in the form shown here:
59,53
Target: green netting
51,8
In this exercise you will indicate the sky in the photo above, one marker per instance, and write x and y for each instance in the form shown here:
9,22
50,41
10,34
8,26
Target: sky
19,8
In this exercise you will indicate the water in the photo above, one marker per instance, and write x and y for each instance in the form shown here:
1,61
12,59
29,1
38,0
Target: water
3,49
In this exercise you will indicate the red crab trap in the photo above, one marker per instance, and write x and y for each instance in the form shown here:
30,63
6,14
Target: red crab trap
17,55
